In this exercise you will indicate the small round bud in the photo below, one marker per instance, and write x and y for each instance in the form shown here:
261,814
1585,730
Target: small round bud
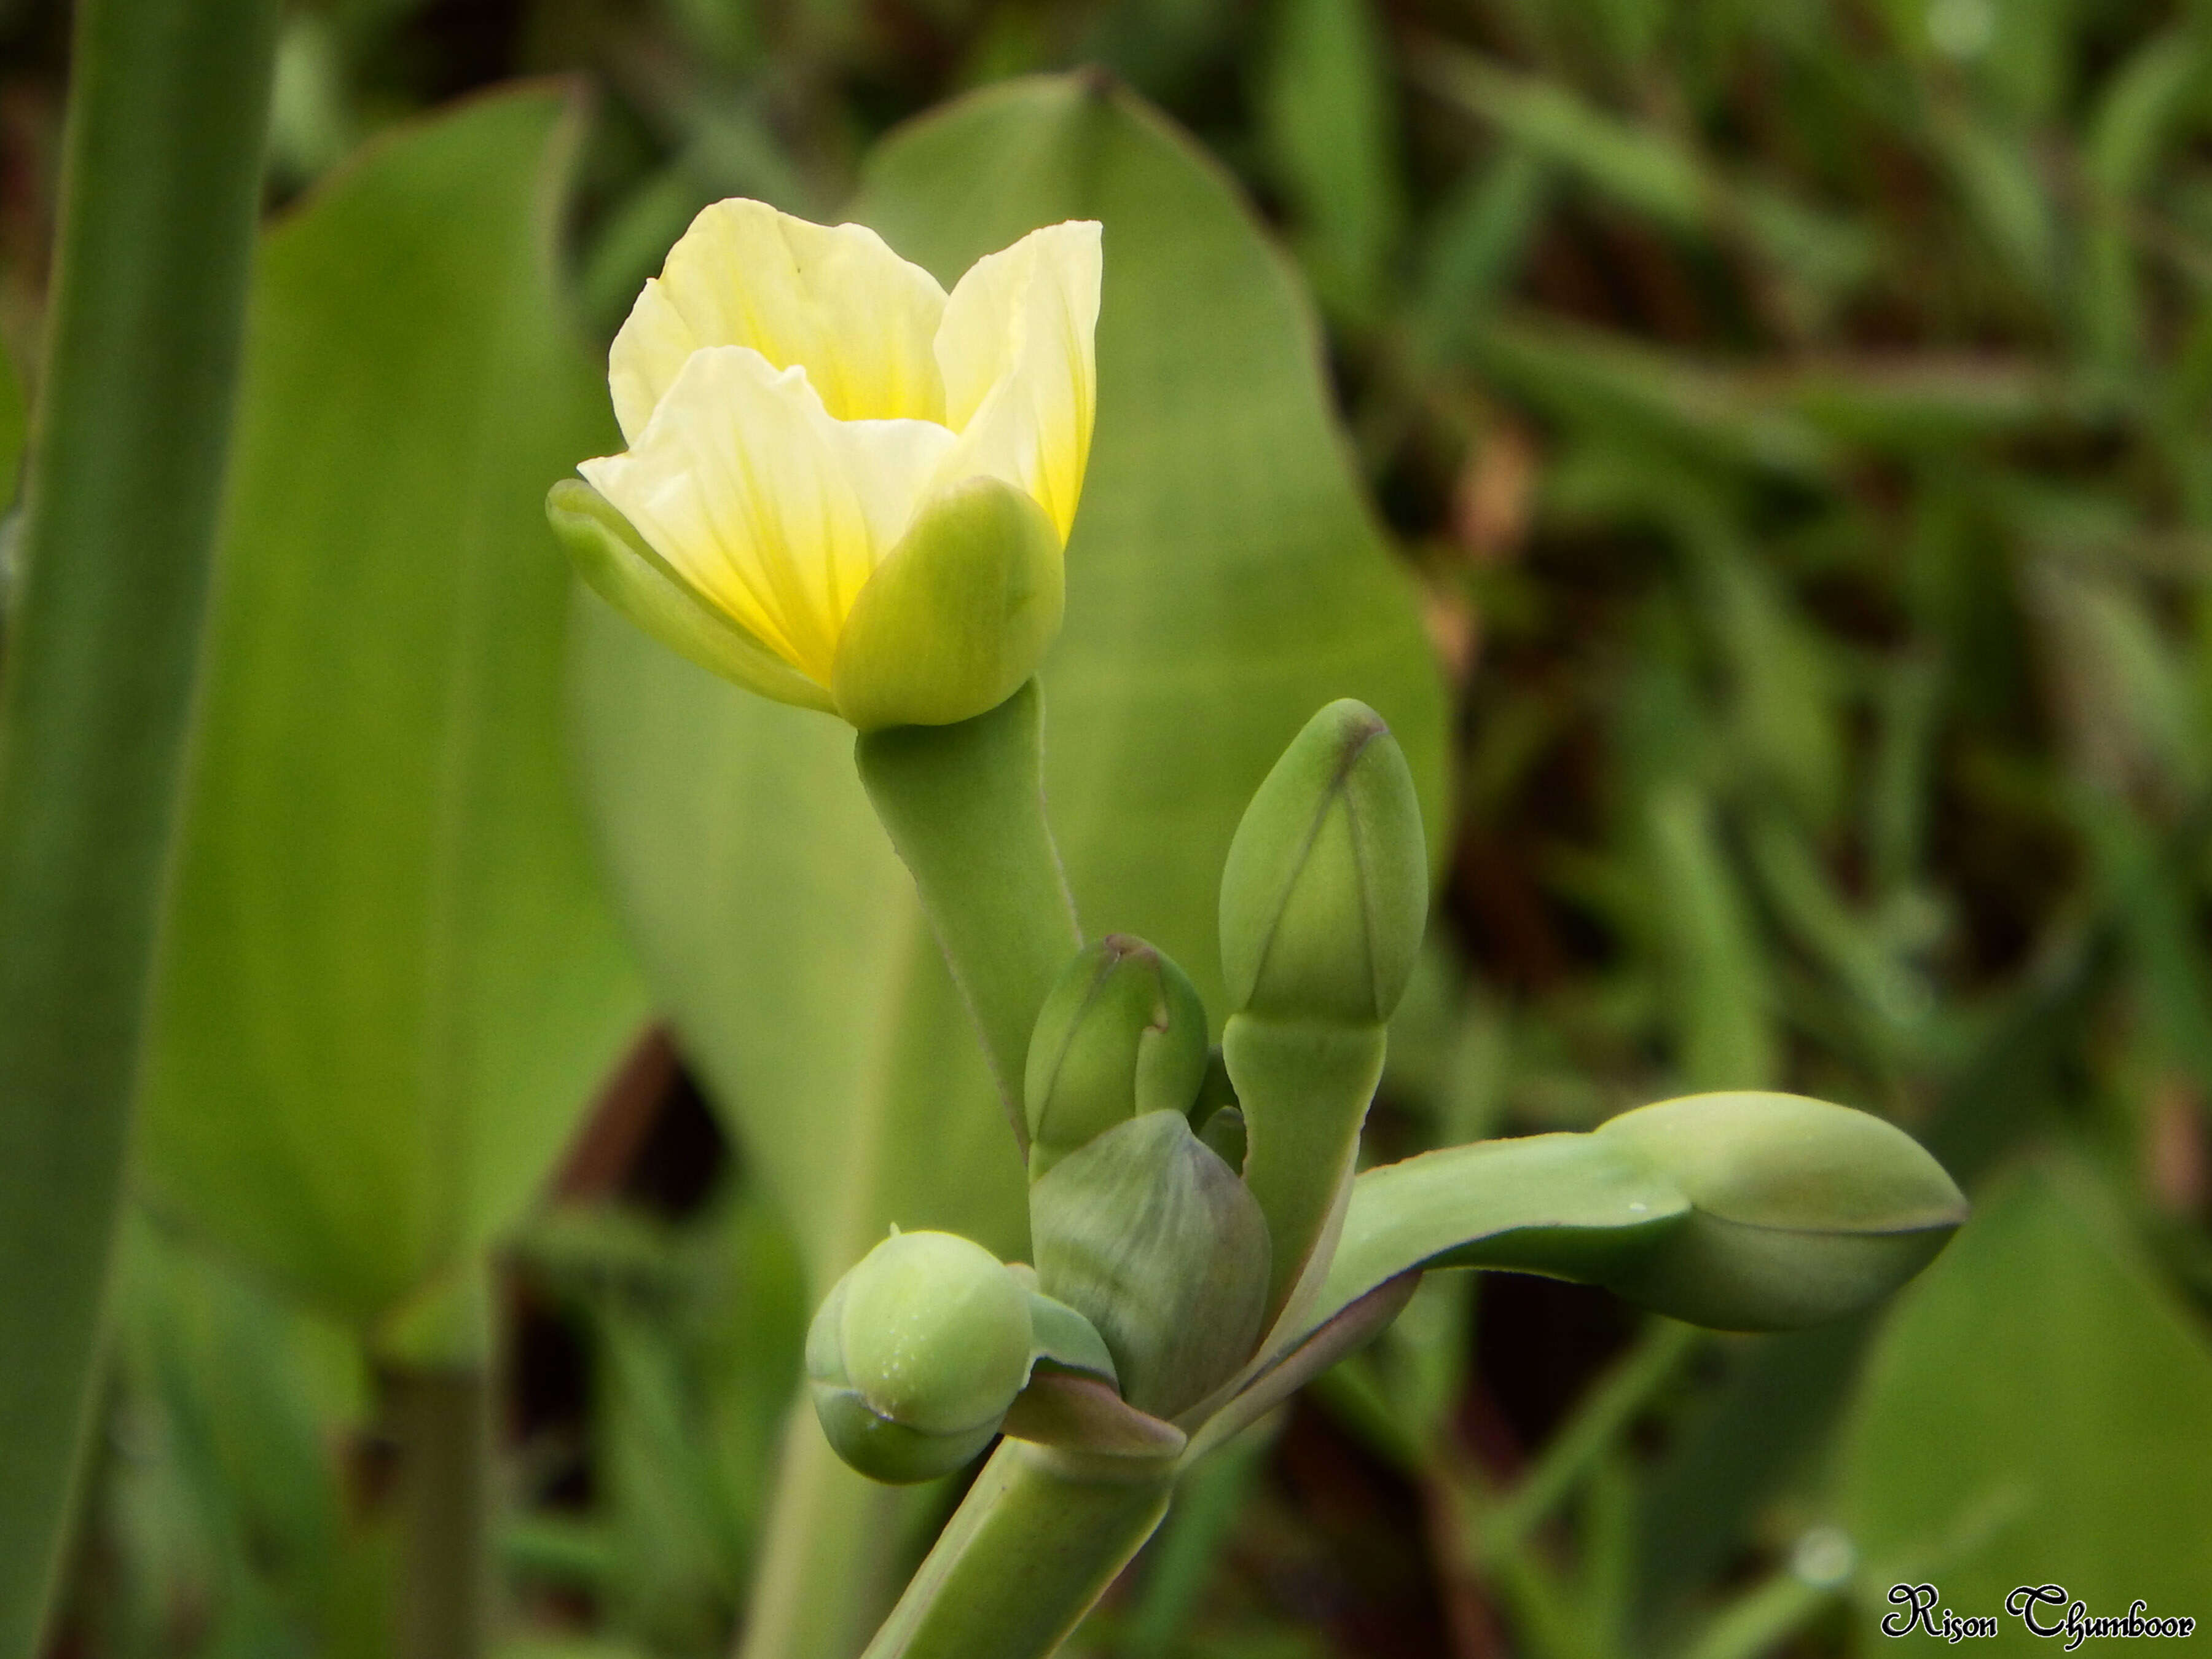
1326,889
916,1355
1122,1033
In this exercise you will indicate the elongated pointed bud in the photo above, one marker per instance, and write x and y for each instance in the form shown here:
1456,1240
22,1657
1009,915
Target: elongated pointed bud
1323,899
1326,889
1800,1211
916,1355
1122,1033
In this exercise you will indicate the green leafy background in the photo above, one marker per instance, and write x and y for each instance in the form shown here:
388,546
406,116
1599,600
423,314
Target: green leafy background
1758,455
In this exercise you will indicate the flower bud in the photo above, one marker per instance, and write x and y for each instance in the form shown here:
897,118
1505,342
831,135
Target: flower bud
1153,1239
916,1355
1122,1033
1326,889
1801,1211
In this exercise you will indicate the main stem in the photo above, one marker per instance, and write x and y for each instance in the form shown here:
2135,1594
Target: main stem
1038,1539
161,176
439,1422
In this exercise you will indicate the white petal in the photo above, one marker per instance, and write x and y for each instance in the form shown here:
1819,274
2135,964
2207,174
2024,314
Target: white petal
771,509
836,302
1020,371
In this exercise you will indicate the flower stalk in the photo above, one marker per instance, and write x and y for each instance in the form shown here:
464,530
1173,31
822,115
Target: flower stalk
964,805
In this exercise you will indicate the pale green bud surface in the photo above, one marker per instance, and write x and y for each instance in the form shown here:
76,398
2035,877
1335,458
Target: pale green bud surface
1154,1239
1326,889
1801,1211
916,1354
1122,1033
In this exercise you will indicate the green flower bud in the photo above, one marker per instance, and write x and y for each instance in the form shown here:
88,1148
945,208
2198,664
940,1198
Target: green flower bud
916,1355
1326,889
1154,1239
1801,1211
1122,1033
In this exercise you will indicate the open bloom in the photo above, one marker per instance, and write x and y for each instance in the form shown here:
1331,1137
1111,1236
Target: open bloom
845,488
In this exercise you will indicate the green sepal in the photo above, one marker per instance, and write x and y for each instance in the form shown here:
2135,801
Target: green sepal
1082,1414
1801,1211
1304,1086
1326,889
1154,1239
618,566
1122,1033
1062,1337
957,615
891,1452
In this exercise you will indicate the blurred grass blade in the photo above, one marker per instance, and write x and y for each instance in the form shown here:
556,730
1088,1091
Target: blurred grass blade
1721,984
390,981
1648,170
162,175
1328,109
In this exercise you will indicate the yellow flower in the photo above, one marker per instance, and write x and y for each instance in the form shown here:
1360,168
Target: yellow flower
844,488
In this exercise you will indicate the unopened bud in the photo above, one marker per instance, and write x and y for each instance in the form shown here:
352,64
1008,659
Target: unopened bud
1326,889
916,1355
1801,1211
1122,1033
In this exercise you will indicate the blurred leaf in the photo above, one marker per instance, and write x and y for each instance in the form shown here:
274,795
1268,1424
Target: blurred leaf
390,983
2140,106
1650,170
1473,243
1719,982
226,1495
1607,382
2035,1411
1328,106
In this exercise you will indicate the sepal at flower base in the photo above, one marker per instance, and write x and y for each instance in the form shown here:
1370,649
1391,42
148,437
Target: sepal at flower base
618,566
958,616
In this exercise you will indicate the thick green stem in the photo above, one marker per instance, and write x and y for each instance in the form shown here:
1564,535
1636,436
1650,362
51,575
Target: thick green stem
964,805
1038,1539
439,1422
161,173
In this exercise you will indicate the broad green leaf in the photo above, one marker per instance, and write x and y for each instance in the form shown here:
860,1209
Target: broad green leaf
390,981
2039,1410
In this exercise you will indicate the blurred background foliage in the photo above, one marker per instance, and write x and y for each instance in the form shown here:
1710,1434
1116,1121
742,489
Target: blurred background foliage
1794,415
